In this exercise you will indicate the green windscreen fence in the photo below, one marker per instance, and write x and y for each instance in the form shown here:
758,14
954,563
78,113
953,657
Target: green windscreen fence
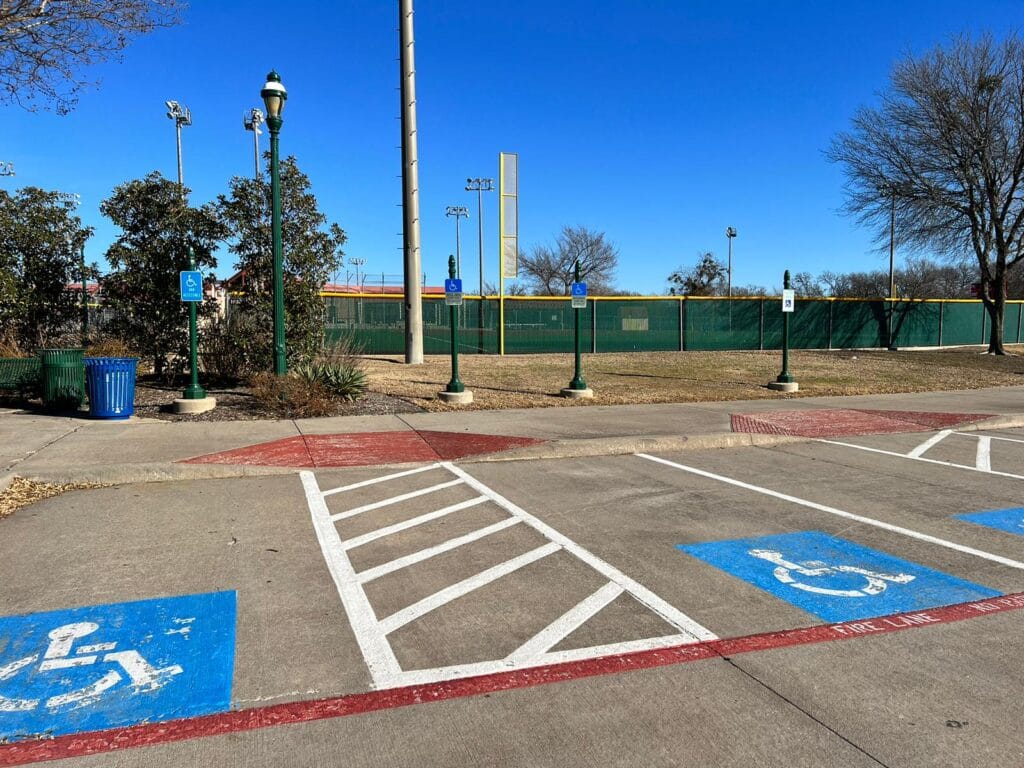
533,325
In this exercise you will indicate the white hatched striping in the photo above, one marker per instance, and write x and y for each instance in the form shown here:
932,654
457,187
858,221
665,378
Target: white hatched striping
425,554
464,587
922,458
372,633
383,479
983,456
394,500
405,525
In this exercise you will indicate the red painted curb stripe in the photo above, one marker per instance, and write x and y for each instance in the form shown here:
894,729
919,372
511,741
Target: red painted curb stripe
79,745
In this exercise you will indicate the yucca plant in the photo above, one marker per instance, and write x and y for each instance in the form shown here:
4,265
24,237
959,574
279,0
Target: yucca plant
346,382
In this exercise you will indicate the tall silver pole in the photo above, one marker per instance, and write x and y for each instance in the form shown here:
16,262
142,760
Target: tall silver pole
181,172
410,189
480,229
256,152
458,247
730,267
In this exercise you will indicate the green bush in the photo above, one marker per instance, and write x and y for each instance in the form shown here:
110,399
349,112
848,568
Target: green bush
292,397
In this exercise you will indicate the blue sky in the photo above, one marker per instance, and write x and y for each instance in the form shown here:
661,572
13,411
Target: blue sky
658,122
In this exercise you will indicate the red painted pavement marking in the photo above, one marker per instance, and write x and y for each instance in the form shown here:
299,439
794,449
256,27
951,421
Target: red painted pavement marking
150,734
845,422
362,449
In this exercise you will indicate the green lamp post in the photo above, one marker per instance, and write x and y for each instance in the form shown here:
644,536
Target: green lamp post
274,96
784,381
455,393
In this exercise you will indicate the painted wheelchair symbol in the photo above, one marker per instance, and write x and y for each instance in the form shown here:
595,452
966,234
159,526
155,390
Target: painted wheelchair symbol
141,675
790,573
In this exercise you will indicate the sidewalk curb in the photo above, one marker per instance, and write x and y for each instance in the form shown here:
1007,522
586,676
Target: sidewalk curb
613,446
122,474
562,448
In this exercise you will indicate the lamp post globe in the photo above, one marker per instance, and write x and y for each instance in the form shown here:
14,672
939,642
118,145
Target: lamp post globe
274,96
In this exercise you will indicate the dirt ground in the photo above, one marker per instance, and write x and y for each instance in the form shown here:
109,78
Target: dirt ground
533,381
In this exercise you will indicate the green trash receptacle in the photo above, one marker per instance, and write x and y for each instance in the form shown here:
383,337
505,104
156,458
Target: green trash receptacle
63,378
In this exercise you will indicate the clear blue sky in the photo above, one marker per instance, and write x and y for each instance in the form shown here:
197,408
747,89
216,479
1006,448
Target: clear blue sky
659,122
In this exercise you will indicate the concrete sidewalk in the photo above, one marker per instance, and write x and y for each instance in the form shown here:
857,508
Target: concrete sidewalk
61,449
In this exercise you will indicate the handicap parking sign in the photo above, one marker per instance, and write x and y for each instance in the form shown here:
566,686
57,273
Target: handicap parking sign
108,666
191,285
1009,520
836,579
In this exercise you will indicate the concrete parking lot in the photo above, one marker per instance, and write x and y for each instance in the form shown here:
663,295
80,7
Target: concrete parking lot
846,601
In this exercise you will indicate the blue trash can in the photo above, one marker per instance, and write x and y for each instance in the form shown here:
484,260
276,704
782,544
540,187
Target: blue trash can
111,385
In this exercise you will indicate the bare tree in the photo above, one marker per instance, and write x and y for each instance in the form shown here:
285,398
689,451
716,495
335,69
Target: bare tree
45,43
705,278
807,286
943,155
549,270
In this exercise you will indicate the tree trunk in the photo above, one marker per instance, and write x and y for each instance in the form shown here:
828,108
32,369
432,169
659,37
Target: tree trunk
995,340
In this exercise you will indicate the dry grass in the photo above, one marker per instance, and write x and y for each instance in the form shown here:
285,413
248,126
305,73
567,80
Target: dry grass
532,381
21,492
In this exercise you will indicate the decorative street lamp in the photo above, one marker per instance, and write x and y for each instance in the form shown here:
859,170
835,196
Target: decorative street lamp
252,122
459,212
730,233
274,96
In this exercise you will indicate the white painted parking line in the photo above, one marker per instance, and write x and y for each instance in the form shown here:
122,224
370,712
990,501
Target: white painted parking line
934,439
464,587
377,653
382,479
372,633
394,500
425,554
994,437
566,624
983,457
922,458
405,525
840,513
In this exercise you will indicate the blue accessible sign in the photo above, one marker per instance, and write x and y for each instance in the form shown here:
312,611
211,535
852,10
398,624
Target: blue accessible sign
109,666
579,295
836,579
453,292
191,285
1009,520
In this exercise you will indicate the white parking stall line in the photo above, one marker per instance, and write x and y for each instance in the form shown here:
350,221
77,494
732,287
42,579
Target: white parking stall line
675,617
393,500
565,624
405,525
840,513
380,659
383,479
425,554
983,457
431,602
993,437
922,458
931,441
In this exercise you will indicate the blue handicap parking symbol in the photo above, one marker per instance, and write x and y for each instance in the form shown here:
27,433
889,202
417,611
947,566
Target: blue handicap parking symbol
835,579
1010,520
453,285
108,666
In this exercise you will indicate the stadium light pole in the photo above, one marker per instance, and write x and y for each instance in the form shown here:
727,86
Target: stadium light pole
891,189
6,169
181,116
459,212
252,122
730,233
480,186
274,96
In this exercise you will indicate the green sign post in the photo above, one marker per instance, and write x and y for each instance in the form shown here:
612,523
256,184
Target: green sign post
456,392
578,387
193,391
784,381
